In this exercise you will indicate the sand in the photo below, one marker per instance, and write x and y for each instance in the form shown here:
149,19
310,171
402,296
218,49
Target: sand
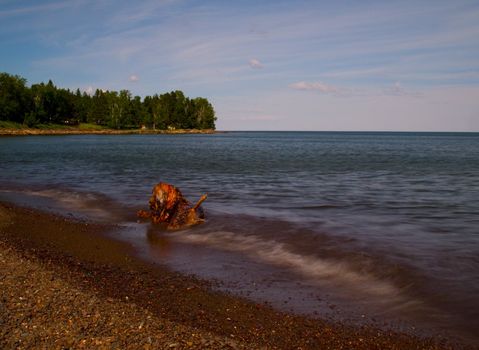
65,284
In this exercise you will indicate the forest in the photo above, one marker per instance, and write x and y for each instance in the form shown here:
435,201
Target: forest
48,104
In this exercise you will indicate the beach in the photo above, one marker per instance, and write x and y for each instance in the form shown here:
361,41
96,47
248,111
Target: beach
65,284
100,131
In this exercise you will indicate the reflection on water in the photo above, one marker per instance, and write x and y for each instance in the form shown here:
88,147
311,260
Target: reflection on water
159,245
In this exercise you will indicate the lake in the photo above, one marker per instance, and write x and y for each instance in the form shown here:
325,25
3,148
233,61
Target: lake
352,226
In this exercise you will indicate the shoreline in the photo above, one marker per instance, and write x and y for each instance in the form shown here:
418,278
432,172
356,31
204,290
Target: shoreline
73,131
80,258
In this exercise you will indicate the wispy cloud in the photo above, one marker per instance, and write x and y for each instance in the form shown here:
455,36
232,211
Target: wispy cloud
23,10
398,90
133,78
133,15
255,63
354,46
317,86
438,109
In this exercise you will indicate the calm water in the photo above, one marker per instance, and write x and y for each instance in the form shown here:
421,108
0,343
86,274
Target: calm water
376,226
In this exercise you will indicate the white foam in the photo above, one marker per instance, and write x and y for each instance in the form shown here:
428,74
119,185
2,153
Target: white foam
69,200
314,268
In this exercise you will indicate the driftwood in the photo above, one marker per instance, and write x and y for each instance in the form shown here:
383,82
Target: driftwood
169,207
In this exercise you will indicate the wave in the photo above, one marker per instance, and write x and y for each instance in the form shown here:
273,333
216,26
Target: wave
316,269
93,205
316,207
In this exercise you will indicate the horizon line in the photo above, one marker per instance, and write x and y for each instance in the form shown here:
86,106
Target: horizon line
355,131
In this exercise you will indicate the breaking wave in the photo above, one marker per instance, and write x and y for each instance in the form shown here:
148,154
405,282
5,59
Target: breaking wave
317,269
92,205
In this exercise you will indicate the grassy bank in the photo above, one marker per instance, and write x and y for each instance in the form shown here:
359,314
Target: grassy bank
11,128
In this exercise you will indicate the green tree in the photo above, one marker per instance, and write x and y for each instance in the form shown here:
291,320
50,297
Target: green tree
45,103
156,111
137,113
119,108
52,105
15,99
81,105
99,112
204,113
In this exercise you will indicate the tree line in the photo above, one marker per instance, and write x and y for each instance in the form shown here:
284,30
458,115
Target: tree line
45,103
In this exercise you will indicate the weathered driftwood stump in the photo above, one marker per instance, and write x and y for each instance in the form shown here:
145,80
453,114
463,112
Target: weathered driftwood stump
168,206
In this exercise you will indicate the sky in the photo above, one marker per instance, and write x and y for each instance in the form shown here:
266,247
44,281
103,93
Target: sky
264,65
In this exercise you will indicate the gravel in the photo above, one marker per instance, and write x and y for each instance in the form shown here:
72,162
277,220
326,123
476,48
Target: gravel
64,284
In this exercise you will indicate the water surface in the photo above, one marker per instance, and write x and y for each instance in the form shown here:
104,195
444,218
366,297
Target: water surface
382,226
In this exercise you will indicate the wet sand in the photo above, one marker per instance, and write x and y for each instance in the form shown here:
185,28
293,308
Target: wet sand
64,284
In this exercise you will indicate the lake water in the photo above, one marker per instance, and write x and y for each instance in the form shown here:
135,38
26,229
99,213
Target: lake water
382,227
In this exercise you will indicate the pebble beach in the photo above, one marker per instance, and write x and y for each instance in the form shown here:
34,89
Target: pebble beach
63,284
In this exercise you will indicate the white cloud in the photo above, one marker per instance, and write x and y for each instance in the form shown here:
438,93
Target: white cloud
255,63
133,78
89,90
398,90
319,86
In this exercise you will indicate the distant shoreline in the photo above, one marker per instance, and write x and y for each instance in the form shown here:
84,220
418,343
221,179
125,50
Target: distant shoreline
73,131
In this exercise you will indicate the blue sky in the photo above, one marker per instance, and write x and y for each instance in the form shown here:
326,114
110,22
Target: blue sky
265,65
